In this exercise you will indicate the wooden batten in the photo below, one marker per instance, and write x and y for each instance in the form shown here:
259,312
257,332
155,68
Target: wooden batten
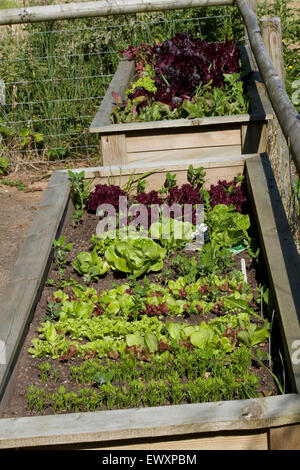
141,142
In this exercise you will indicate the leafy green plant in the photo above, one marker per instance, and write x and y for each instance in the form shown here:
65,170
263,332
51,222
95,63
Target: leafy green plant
100,244
101,378
171,233
30,139
226,100
61,249
210,260
254,335
227,227
44,369
141,186
146,81
90,265
196,176
16,184
52,310
80,188
170,182
137,256
50,342
4,163
36,398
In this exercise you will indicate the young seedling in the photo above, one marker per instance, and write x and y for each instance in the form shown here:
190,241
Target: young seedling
60,252
170,182
52,310
44,369
141,186
80,192
196,177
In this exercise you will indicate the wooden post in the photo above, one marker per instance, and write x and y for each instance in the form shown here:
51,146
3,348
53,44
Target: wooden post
113,149
286,113
253,6
271,36
285,438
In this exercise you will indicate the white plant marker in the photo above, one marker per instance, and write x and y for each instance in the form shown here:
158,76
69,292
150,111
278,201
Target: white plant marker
243,266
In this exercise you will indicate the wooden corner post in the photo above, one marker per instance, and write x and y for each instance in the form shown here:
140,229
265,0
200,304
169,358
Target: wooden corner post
272,38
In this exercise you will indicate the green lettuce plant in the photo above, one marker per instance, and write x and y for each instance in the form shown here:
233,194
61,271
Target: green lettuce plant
90,265
171,233
136,256
227,227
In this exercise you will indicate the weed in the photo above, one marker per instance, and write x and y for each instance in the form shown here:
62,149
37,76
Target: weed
60,251
80,188
16,184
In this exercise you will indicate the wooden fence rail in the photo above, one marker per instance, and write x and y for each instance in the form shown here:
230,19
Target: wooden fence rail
101,8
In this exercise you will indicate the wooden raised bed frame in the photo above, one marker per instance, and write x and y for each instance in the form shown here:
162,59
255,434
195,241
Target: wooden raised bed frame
263,423
182,139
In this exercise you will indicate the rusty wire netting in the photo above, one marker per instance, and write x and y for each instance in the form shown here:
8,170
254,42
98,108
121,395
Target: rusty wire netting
286,176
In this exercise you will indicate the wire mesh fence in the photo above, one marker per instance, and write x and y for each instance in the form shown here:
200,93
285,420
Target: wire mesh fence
286,176
53,75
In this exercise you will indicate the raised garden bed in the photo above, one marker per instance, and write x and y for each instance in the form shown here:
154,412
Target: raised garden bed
250,420
195,132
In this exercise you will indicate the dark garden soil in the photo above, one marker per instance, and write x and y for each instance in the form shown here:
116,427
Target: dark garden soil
27,371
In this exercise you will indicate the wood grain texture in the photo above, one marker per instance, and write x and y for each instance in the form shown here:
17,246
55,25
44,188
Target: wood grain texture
176,123
174,420
280,255
200,155
100,8
162,166
255,440
272,38
119,84
234,442
254,137
113,149
181,140
285,438
157,179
